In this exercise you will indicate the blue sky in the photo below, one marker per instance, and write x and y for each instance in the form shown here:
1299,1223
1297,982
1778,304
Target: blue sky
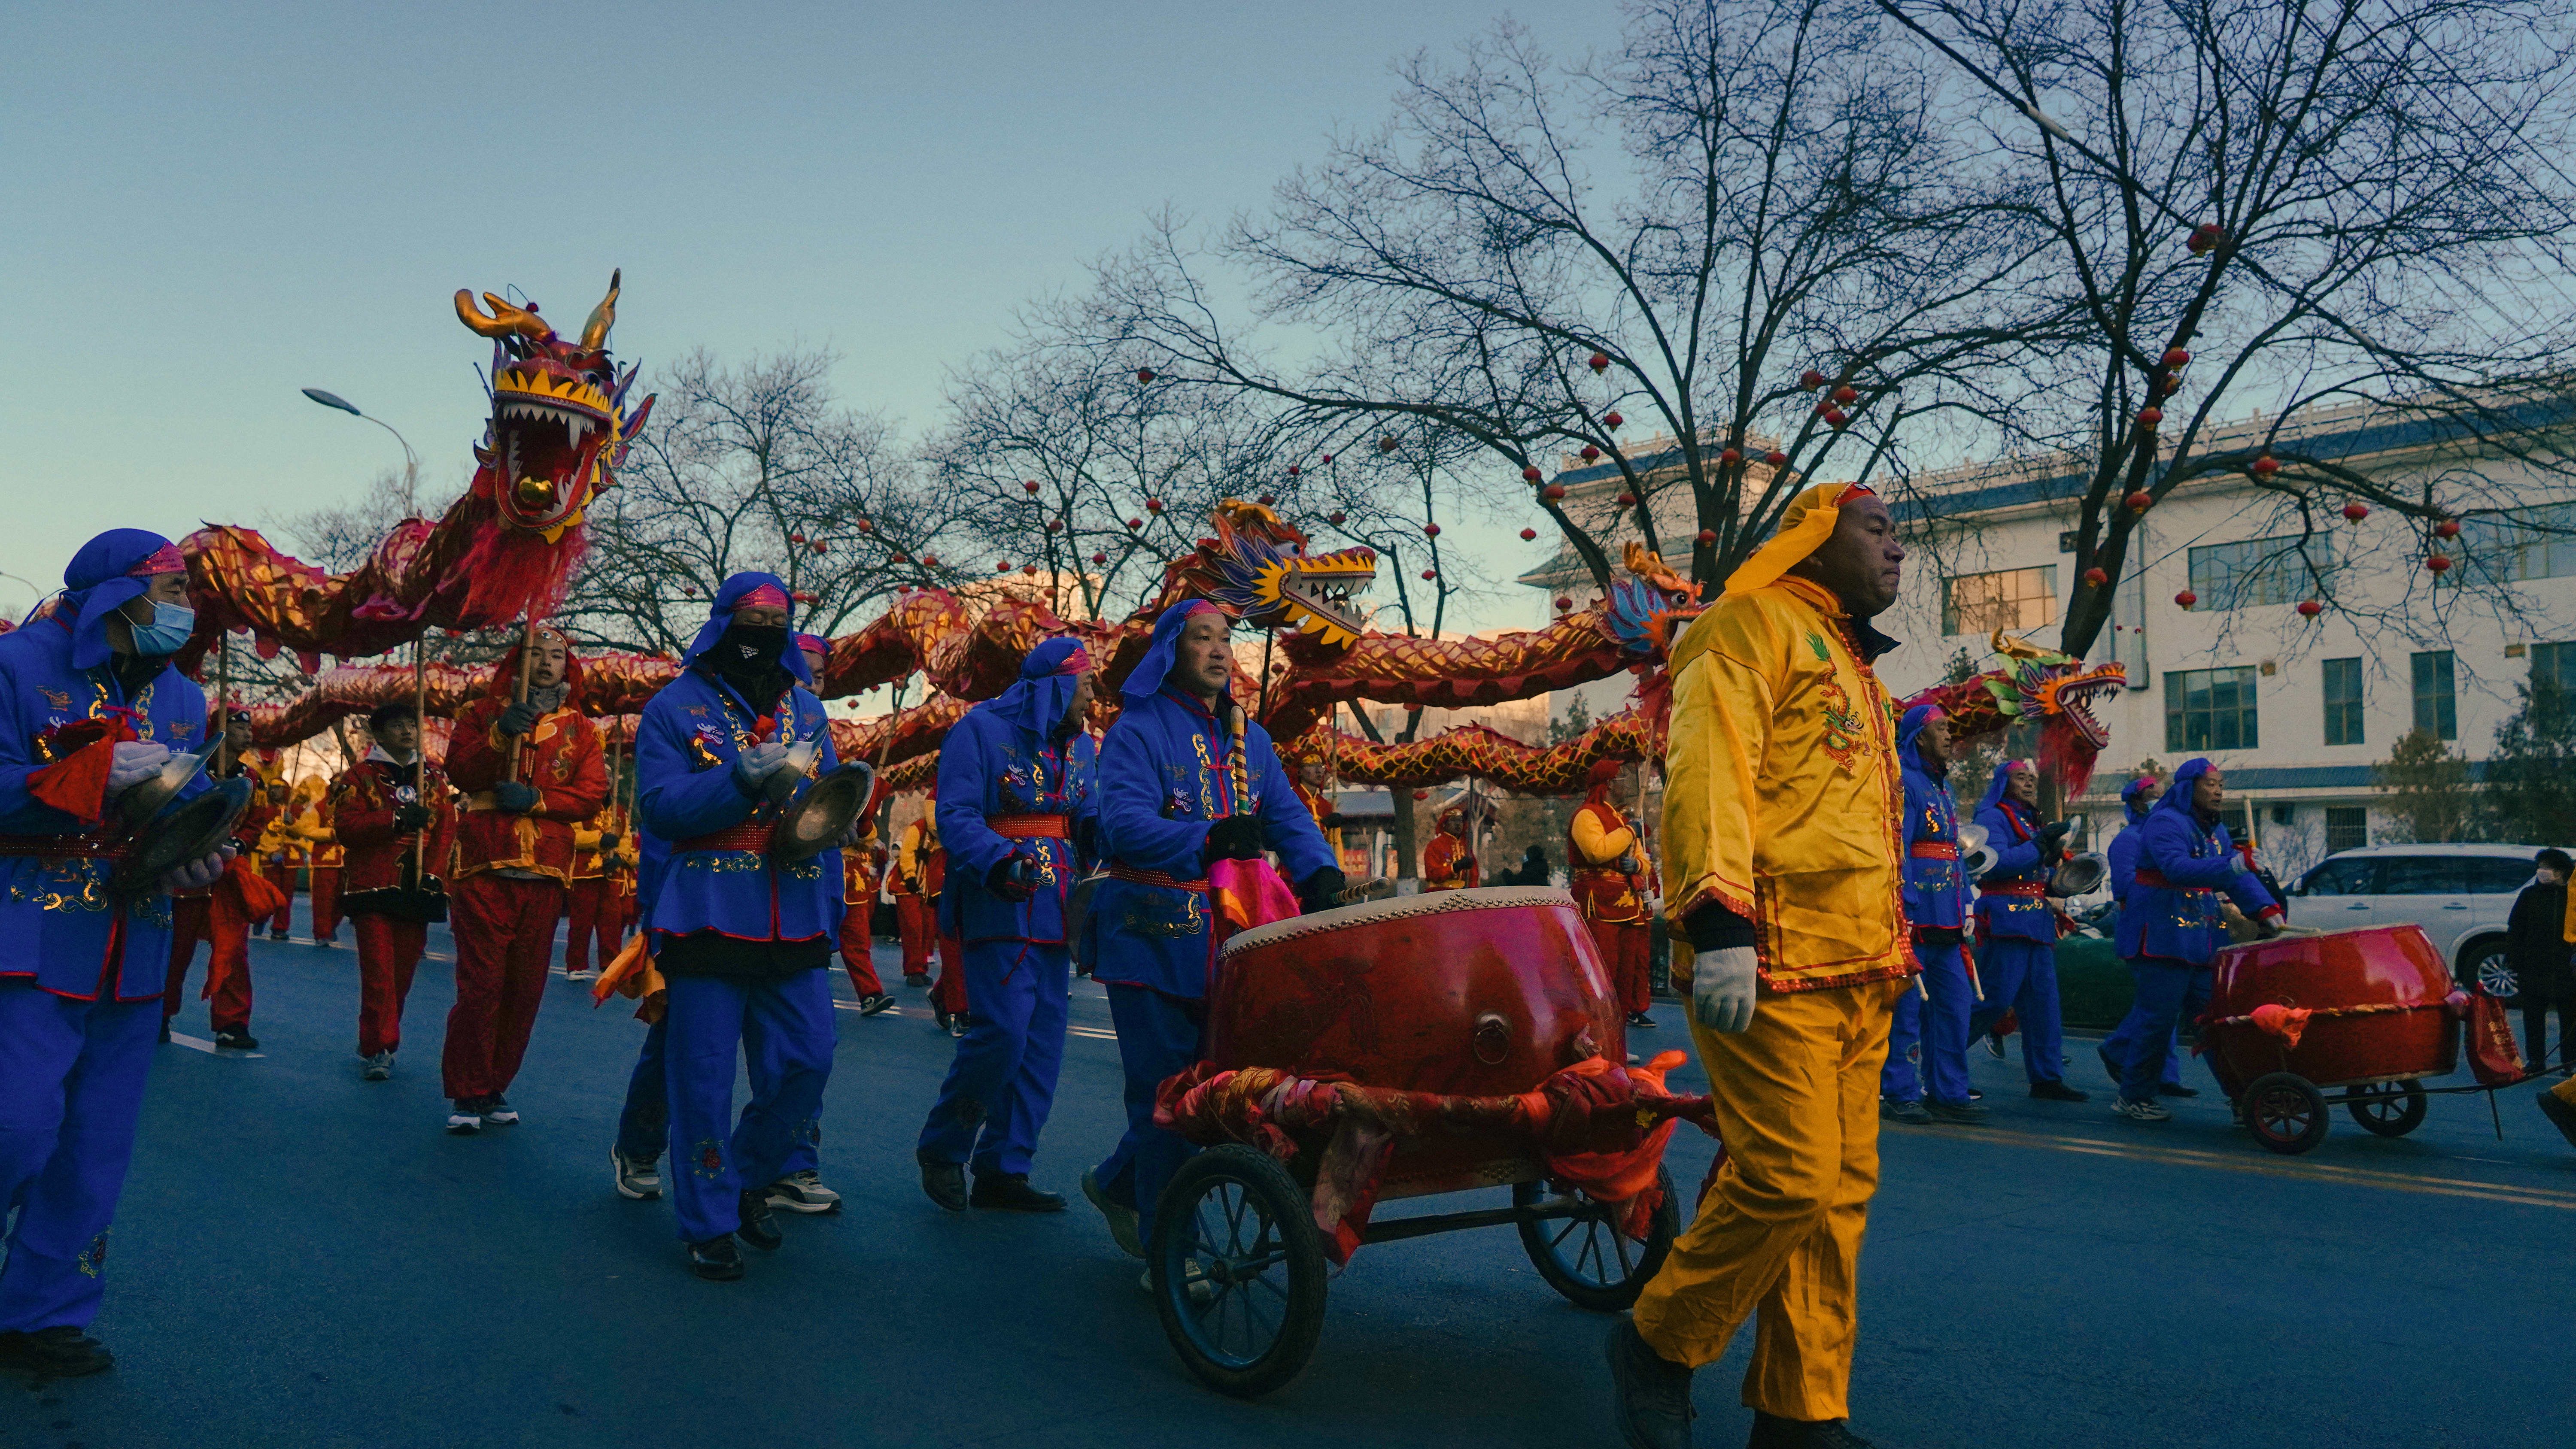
209,207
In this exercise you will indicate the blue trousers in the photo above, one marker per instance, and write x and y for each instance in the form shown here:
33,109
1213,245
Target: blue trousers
71,1088
2167,992
2123,1040
1158,1035
1927,1044
2021,977
644,1125
785,1032
1001,1083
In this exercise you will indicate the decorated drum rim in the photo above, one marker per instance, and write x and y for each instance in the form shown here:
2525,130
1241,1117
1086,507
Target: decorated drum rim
1396,908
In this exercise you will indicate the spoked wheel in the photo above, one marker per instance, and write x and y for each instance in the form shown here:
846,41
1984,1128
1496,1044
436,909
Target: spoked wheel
1586,1257
2390,1109
1238,1270
2285,1113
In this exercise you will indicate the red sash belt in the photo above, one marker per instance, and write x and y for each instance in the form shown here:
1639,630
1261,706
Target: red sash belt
1031,827
1155,878
1934,850
2015,888
2156,878
91,846
751,835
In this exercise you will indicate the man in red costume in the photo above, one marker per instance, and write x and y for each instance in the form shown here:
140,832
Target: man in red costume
312,829
379,808
532,767
592,940
216,915
912,914
1606,854
948,993
1449,864
277,850
861,866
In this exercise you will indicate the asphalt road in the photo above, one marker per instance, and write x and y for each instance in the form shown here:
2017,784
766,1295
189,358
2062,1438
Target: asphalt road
304,1259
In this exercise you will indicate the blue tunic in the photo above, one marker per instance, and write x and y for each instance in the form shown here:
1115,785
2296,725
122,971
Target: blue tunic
1936,891
2013,830
685,790
58,924
1165,776
990,766
2179,920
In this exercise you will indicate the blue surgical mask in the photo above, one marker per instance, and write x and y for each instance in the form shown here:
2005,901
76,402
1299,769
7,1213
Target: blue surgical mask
168,632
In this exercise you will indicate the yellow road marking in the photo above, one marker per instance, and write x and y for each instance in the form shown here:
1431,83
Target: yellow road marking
2313,1171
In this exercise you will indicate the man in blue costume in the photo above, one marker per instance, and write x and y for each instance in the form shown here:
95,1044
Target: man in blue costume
1017,811
2136,798
2171,928
740,936
2017,927
89,708
1169,807
1926,1076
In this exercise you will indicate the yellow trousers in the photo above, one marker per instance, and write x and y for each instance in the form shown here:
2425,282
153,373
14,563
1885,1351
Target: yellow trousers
2565,1091
1797,1105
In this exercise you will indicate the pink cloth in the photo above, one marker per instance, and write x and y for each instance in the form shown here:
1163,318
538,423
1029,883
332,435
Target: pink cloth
1249,893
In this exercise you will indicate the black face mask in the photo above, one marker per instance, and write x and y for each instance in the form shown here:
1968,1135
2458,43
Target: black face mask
750,652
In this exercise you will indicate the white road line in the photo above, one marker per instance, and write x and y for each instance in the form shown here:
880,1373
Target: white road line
195,1044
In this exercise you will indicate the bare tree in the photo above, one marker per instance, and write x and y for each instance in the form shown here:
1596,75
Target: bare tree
2298,206
1756,228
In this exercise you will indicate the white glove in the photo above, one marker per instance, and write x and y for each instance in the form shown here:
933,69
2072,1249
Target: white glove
136,762
757,764
196,874
1722,989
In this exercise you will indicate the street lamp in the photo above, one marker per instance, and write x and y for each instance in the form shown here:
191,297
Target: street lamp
411,462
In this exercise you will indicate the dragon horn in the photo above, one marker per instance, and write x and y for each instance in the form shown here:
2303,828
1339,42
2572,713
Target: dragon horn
594,333
505,319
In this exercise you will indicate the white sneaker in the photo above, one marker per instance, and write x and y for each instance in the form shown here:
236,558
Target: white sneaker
500,1113
636,1181
2140,1111
464,1122
803,1192
376,1068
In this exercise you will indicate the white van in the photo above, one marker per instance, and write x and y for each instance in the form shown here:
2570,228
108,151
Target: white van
2460,894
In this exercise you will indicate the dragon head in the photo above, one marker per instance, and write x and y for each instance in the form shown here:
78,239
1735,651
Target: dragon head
1651,606
2058,692
559,424
1257,566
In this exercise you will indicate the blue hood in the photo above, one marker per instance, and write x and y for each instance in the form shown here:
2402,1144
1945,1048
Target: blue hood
1038,702
1146,679
720,616
96,584
1908,730
2182,787
2129,800
1995,787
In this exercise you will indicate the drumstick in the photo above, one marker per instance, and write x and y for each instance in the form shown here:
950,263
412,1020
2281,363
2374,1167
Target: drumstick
420,753
1242,774
519,691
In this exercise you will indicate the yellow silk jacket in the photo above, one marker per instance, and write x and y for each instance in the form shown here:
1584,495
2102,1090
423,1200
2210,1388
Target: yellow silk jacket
1783,799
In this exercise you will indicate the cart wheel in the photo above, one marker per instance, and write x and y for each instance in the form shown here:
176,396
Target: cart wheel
1587,1258
1238,1270
2391,1109
2285,1113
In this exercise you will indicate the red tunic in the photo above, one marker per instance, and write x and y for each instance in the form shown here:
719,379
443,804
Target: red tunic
1441,870
363,799
562,757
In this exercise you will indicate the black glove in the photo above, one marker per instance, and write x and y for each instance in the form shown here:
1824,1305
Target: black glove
1321,891
1466,863
2052,840
408,818
1235,837
1014,877
1332,820
520,718
608,840
517,797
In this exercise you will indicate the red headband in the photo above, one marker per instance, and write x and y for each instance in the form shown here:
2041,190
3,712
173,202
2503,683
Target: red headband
1077,662
167,561
767,596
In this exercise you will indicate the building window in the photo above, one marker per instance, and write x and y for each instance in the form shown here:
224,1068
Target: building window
2534,543
2210,709
2009,599
2347,828
2260,571
2557,664
2437,708
2343,701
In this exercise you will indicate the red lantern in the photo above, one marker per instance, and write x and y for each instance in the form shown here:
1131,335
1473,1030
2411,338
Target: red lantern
1267,499
1334,517
796,538
900,558
1135,523
1030,569
1729,457
2206,238
1590,453
1153,505
864,526
1553,493
1431,530
821,547
1528,534
2149,417
1563,603
2446,529
1294,470
2176,357
1835,418
1600,362
1627,500
2311,608
2437,564
1614,420
930,560
2141,502
1388,444
1144,374
2356,512
2186,598
1531,475
2173,384
2095,578
1811,379
1031,484
1824,410
689,589
802,597
1707,536
1847,394
1421,794
1055,525
1429,574
1776,458
1001,565
1328,457
1100,558
2264,466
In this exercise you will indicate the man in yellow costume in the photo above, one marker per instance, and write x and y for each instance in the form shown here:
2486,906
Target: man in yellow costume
1783,862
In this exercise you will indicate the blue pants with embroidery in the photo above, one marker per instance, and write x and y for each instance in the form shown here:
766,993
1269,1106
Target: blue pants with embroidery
1927,1045
71,1089
784,1028
2021,977
1001,1083
1158,1035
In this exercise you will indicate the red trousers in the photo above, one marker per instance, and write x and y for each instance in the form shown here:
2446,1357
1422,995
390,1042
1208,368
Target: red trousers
388,952
505,935
326,902
594,918
948,993
854,952
281,874
217,921
1625,947
915,927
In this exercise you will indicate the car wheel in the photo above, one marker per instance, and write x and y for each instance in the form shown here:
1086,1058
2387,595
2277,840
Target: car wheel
2485,967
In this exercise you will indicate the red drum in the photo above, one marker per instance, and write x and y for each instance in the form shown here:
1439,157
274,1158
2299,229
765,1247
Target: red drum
1473,993
2381,998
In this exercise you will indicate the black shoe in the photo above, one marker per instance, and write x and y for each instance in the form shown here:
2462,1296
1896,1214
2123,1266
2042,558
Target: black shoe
1770,1431
945,1182
758,1226
2109,1066
957,1023
917,982
237,1041
54,1353
1650,1397
1965,1114
278,936
1640,1019
871,1005
1911,1114
1995,1045
1975,1095
1010,1192
165,1031
2058,1092
717,1260
2176,1089
2560,1114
